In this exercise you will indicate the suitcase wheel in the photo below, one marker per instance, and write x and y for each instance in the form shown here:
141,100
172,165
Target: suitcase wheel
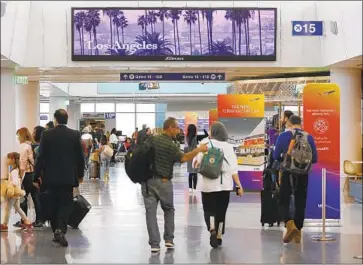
263,224
270,225
278,223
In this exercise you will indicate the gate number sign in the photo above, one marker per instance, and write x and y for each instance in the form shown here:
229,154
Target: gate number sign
307,28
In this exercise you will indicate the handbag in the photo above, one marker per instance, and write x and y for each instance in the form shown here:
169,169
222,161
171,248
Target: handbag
108,151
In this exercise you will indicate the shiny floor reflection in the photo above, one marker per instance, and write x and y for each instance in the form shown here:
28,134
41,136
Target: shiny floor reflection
114,232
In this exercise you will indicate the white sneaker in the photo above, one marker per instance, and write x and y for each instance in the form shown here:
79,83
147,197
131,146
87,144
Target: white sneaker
155,250
190,190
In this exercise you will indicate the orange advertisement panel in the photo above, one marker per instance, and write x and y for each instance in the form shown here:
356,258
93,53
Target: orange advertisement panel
213,116
190,118
322,118
322,121
241,106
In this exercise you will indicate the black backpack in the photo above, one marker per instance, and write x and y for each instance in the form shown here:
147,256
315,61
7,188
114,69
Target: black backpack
139,162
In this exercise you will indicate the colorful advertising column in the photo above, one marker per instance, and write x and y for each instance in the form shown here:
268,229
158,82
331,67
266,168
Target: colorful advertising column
190,118
243,116
213,116
322,120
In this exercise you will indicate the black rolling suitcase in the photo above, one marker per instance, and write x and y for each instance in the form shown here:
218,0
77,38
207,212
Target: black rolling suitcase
81,208
270,210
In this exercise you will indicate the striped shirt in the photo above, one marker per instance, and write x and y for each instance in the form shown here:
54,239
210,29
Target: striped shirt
167,153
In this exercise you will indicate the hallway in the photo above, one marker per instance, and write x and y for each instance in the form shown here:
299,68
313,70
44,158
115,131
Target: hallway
114,231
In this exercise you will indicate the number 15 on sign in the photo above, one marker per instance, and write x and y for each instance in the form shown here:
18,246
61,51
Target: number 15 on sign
307,28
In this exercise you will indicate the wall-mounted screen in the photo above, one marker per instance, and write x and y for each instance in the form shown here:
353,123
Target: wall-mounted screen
124,34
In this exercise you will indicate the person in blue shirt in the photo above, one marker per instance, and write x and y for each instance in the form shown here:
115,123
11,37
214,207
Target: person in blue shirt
295,223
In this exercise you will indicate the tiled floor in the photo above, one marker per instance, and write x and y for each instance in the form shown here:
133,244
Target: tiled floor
114,232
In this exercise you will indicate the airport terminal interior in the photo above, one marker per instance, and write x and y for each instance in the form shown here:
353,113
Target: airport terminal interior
120,67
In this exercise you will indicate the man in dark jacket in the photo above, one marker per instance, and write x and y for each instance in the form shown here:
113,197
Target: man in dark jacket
142,135
61,159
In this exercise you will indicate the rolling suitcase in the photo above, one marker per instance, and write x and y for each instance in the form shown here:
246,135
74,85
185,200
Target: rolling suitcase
270,210
94,170
80,209
44,199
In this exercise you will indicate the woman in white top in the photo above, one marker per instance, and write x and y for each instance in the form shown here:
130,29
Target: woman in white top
27,168
216,192
114,142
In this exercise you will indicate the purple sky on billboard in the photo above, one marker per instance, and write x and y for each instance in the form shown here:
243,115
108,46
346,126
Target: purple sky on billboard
174,32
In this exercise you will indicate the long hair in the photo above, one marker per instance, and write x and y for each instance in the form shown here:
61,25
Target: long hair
24,135
16,157
191,133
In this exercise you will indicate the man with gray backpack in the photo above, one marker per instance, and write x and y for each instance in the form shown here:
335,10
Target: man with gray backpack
296,150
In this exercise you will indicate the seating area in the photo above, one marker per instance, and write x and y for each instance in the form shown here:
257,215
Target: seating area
353,181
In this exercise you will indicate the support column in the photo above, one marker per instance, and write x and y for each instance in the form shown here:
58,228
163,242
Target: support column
27,105
74,115
56,103
350,83
8,125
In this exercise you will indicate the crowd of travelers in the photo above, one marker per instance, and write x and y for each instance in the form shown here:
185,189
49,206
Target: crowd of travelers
54,160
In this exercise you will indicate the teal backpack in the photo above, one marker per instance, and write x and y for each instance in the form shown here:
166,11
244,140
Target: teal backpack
211,165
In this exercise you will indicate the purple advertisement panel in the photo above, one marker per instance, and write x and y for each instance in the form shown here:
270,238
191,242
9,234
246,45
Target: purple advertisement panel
124,34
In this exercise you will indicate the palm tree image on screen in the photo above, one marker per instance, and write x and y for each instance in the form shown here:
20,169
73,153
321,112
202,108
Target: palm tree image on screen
166,32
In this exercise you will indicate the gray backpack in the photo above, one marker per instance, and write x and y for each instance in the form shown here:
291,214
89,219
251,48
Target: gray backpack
298,160
211,165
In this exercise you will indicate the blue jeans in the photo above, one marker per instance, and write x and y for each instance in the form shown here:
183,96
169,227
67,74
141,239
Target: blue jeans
105,163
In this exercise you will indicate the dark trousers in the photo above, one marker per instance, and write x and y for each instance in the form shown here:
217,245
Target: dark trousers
34,192
193,178
300,185
61,203
215,204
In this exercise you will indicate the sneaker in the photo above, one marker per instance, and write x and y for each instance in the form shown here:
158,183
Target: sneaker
190,191
291,231
155,249
38,225
169,245
18,224
4,228
60,238
213,239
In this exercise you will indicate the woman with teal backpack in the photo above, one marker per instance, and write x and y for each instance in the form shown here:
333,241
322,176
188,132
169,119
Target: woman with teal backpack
216,189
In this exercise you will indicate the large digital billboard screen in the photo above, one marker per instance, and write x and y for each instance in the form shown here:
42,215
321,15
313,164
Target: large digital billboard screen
121,34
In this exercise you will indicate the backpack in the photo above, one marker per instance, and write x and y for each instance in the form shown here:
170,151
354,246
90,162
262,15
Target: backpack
139,163
212,162
298,159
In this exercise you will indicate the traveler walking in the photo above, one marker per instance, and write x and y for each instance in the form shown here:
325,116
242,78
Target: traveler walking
216,192
294,181
160,187
192,140
114,143
31,185
285,119
14,178
61,160
106,154
143,134
49,125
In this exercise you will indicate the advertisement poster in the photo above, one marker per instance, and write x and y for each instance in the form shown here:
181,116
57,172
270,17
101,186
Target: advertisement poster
213,116
243,116
173,34
322,121
190,118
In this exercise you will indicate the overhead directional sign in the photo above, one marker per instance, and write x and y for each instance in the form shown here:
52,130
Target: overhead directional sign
307,28
172,77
